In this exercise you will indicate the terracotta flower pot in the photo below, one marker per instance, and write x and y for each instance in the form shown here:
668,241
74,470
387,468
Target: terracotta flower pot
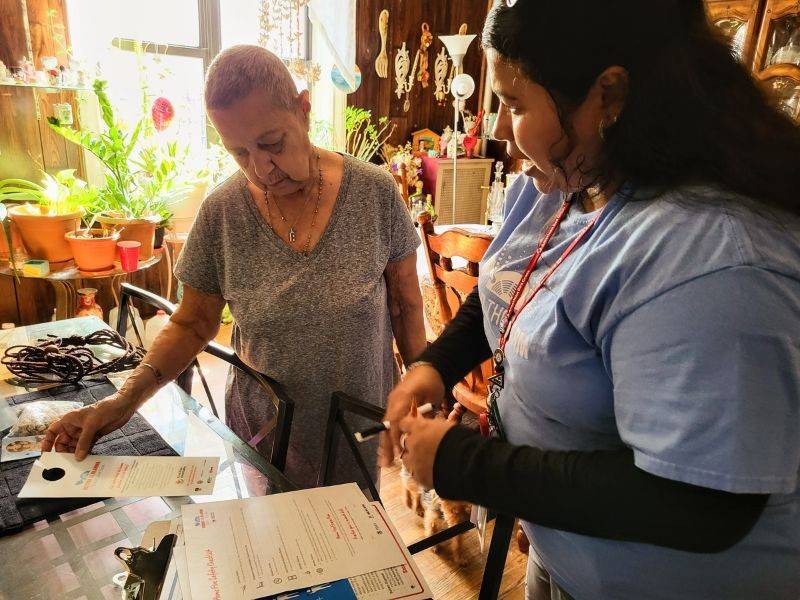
43,235
93,253
135,230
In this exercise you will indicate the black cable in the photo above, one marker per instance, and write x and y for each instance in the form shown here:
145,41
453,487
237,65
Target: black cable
68,360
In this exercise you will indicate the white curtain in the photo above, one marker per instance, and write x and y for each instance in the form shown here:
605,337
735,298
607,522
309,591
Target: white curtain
335,22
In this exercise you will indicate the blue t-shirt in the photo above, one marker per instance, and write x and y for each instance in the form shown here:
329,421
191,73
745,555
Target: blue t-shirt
674,330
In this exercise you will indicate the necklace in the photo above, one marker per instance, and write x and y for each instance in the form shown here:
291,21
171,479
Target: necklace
292,230
497,380
316,208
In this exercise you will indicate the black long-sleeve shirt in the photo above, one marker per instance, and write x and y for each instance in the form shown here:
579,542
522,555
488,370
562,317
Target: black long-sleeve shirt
600,494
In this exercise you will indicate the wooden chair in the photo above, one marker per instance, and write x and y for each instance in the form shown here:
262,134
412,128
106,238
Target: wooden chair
452,286
401,179
340,405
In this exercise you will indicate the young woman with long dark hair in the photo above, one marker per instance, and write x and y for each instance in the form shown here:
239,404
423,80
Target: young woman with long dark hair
642,306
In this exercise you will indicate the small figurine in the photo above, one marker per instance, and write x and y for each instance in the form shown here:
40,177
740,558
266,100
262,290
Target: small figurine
444,142
470,141
28,70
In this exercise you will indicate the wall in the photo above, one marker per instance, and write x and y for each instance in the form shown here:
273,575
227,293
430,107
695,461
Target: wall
26,142
405,21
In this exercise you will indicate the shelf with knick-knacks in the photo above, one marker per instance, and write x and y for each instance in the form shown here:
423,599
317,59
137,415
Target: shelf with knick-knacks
45,87
52,76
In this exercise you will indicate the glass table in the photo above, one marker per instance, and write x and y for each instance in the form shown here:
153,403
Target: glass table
71,556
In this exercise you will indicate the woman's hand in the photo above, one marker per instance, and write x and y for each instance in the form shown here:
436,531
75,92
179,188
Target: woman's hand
423,384
78,430
419,445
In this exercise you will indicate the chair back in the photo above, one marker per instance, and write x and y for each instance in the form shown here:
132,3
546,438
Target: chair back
452,284
281,423
401,179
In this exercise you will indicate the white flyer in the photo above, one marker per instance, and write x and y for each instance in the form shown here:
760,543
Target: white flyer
59,475
256,547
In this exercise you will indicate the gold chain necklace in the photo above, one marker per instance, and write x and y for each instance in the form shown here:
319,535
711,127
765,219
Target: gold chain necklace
292,232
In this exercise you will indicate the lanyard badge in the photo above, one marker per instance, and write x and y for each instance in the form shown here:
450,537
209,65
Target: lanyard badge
497,381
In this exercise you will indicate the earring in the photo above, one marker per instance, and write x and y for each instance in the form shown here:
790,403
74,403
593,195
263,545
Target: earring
603,127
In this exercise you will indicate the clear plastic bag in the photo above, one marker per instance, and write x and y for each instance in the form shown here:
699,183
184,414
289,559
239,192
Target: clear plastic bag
33,418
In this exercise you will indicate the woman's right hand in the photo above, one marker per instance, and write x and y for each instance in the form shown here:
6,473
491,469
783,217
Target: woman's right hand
78,430
422,383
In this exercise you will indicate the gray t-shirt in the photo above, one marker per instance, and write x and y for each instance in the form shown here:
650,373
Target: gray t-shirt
318,323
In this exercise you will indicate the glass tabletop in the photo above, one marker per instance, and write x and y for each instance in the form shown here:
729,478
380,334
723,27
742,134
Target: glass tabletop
69,271
71,556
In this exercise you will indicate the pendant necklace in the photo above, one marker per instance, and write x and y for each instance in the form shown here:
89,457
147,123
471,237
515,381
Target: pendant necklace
292,227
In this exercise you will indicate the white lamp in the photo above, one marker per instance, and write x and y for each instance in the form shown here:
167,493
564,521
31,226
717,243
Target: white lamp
462,88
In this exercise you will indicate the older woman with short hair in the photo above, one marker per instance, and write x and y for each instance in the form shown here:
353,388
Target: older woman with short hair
314,252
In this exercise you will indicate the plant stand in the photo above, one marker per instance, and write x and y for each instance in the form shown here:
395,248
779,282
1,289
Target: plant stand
67,281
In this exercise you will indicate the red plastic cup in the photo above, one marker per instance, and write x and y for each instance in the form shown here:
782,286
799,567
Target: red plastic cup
129,255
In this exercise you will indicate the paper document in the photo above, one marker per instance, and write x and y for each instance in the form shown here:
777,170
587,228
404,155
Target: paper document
59,475
256,547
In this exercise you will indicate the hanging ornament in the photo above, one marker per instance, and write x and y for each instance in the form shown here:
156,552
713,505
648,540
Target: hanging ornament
281,32
340,82
162,112
425,42
441,78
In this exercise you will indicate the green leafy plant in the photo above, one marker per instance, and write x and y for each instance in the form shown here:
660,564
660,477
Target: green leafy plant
363,138
161,182
58,194
113,148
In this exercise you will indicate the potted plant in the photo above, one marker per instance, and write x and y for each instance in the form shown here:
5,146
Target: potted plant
161,182
94,248
51,209
140,184
122,205
363,138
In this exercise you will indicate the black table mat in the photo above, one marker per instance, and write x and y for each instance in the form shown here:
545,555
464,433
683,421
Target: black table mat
135,438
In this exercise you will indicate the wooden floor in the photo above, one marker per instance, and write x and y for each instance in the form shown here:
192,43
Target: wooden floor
447,580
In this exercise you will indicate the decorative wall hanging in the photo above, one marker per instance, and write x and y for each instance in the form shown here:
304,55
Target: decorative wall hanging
282,30
401,65
424,43
441,78
382,62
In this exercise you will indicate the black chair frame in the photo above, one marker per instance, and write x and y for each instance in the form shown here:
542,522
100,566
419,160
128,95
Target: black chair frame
503,527
284,405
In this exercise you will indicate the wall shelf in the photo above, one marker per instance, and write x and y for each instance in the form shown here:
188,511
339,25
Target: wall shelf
46,88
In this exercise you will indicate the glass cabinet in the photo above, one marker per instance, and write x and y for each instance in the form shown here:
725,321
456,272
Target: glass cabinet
777,59
765,34
738,20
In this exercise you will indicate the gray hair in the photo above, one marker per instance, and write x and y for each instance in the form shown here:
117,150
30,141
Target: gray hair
240,70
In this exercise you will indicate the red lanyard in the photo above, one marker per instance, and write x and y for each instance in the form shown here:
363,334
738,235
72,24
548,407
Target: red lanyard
513,312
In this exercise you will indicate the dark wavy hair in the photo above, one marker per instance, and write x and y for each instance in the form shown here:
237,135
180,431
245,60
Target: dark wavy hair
693,113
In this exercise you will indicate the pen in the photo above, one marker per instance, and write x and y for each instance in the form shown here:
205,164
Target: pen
371,432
